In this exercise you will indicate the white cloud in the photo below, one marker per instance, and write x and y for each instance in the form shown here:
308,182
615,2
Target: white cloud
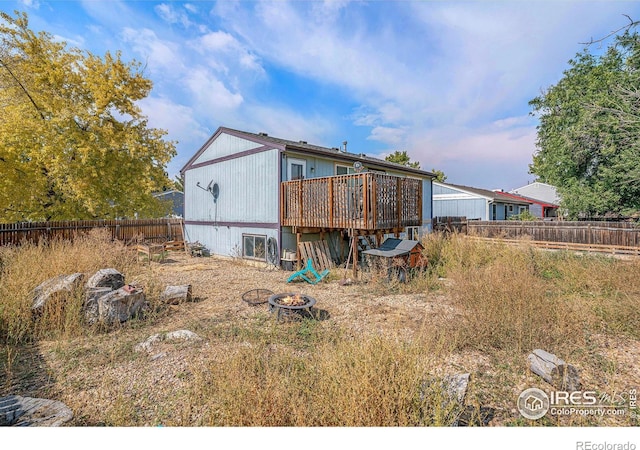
288,124
168,115
182,124
172,15
388,135
224,52
35,4
210,93
161,56
78,42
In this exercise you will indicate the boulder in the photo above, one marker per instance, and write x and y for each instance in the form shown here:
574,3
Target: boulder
182,335
110,278
33,412
148,344
174,295
178,335
456,386
56,287
120,305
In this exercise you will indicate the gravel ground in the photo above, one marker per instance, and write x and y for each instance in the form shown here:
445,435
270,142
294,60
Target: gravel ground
84,373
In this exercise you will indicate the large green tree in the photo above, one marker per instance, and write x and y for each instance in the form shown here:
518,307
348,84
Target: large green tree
588,142
401,157
73,142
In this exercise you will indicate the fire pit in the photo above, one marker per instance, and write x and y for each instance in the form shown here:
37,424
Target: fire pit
289,304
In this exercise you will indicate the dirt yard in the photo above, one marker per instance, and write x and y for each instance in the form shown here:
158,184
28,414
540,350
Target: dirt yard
82,372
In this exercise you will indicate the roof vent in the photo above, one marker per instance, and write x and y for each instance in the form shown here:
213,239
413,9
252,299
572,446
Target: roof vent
303,142
262,133
344,146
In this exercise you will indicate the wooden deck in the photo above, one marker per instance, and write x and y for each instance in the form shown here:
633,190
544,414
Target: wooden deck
366,202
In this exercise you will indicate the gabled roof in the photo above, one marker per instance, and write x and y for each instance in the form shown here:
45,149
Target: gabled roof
531,200
489,195
539,190
306,148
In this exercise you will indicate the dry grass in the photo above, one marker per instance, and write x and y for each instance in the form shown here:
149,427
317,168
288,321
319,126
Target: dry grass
375,356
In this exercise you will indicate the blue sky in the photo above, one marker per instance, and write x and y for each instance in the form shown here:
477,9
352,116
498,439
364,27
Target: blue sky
449,82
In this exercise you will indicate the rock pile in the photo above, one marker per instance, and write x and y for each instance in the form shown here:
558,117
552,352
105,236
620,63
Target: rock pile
106,297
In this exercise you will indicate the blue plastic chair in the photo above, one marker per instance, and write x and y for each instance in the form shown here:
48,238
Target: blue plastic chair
309,274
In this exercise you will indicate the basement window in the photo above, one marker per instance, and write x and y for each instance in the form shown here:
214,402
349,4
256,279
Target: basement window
254,246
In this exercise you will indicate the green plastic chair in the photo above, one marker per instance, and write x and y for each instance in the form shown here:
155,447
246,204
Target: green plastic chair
308,274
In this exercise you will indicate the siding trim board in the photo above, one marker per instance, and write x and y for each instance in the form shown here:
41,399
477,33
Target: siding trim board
253,151
268,225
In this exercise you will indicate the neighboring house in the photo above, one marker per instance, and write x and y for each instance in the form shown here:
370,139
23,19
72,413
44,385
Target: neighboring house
537,208
539,191
451,200
177,201
253,195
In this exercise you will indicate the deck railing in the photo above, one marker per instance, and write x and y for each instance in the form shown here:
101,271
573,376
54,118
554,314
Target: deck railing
366,201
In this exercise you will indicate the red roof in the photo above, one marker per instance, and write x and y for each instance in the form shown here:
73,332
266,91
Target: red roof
529,199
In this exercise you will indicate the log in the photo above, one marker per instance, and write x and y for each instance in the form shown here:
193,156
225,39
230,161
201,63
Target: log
554,370
110,278
33,412
174,295
91,299
120,305
60,286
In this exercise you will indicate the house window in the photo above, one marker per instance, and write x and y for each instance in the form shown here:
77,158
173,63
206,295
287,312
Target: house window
254,246
510,208
297,169
344,170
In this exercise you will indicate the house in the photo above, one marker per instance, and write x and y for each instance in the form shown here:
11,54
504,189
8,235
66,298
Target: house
451,200
539,191
255,196
537,208
176,199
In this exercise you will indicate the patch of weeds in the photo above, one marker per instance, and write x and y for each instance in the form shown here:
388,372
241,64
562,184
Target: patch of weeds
122,412
307,332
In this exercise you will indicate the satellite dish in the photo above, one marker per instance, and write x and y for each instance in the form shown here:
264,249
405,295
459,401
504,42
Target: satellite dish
215,191
357,166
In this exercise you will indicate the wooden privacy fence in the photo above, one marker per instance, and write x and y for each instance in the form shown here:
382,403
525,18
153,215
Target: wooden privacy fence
366,201
149,230
615,234
449,224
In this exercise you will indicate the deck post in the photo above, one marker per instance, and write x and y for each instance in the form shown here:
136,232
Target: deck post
300,204
354,244
365,200
331,202
298,238
399,205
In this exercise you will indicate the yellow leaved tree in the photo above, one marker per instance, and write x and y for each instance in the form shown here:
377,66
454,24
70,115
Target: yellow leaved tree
73,142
